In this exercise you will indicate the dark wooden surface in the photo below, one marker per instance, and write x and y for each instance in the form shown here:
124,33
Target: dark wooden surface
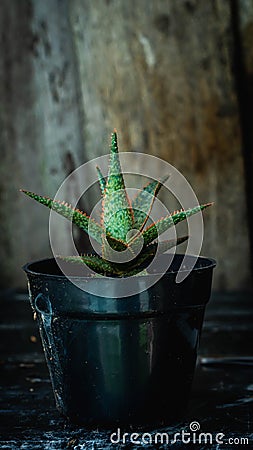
222,395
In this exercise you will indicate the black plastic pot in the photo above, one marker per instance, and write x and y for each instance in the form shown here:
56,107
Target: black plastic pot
120,361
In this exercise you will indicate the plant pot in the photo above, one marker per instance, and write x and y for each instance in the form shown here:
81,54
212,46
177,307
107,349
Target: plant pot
126,361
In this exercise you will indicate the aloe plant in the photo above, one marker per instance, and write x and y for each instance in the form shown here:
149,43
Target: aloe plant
119,218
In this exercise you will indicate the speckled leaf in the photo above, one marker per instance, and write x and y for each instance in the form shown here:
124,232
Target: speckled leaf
144,258
143,202
100,266
151,249
165,223
95,263
165,245
117,215
78,217
102,180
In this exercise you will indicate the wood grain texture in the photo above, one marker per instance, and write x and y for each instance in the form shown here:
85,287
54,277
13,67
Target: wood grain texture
41,140
243,30
161,72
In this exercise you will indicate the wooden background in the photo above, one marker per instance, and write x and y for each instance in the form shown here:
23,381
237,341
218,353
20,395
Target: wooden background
175,79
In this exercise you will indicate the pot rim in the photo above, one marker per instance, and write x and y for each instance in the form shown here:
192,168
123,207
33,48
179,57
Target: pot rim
210,263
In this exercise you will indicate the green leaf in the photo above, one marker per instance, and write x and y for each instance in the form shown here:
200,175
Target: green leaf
102,180
165,223
116,244
94,262
117,217
78,217
165,245
143,202
103,267
151,249
136,265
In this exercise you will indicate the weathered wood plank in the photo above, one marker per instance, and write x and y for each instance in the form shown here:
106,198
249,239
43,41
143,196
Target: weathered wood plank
161,72
41,139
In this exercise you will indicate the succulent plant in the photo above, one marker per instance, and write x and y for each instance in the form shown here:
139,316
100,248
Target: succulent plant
123,229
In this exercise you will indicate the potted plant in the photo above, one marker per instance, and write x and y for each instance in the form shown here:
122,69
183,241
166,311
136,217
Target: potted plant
112,358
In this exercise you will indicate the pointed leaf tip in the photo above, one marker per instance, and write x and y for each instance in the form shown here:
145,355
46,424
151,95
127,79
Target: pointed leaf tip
114,142
157,228
143,202
117,217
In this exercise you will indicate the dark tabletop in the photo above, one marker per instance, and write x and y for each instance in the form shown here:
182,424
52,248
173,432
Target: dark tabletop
222,394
